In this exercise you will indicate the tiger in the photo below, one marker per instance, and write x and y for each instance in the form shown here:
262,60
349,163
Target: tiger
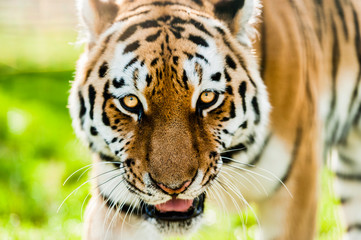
235,103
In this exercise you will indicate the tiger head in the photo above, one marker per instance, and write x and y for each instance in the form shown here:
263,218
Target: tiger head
162,90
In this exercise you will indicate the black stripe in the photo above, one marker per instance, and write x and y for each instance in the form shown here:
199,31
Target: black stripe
91,94
229,90
107,158
198,40
154,37
242,91
232,112
200,27
185,80
357,40
93,131
358,116
320,15
131,47
106,97
261,151
240,147
334,136
164,18
296,148
230,62
201,57
225,119
198,2
256,110
149,24
135,78
216,77
228,78
176,34
148,80
244,125
134,60
353,227
154,62
228,8
103,70
344,200
133,15
346,160
118,83
175,60
341,13
335,65
128,32
240,59
82,105
348,177
177,20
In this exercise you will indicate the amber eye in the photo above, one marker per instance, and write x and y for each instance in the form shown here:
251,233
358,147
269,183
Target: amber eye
130,101
132,104
206,100
207,97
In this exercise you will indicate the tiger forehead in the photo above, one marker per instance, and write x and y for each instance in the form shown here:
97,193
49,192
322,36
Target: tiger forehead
165,35
164,43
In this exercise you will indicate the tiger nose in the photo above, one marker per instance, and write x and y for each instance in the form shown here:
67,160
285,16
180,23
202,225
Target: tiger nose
172,191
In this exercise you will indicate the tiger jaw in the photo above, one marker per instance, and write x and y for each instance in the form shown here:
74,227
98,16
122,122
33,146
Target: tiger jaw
176,210
169,215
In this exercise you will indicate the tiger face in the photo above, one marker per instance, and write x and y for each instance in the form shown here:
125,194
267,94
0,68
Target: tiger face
163,90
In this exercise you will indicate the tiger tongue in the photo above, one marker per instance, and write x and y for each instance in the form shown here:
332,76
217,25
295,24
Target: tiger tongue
175,205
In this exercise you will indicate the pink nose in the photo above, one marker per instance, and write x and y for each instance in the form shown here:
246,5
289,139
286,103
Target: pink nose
175,191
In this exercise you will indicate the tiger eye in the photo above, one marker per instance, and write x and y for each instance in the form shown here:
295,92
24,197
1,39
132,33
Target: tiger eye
130,101
207,97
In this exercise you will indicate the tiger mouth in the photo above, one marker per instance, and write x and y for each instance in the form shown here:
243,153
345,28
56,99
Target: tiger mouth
176,210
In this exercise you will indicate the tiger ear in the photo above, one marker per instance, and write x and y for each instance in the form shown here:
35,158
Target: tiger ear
240,15
96,16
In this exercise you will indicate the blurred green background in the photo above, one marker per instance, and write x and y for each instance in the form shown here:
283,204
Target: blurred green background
38,149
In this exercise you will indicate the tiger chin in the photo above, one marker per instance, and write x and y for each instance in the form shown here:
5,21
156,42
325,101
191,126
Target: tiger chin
168,96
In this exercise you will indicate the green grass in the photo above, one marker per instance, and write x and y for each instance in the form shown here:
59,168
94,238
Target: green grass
38,149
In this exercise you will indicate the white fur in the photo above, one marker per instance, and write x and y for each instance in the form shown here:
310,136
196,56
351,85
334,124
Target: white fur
248,18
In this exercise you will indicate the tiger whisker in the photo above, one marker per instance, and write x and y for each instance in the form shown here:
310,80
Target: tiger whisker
87,166
240,175
218,192
234,203
76,190
121,167
259,183
82,205
212,195
113,204
135,199
237,207
132,206
239,194
250,171
262,169
242,163
233,150
227,167
113,208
